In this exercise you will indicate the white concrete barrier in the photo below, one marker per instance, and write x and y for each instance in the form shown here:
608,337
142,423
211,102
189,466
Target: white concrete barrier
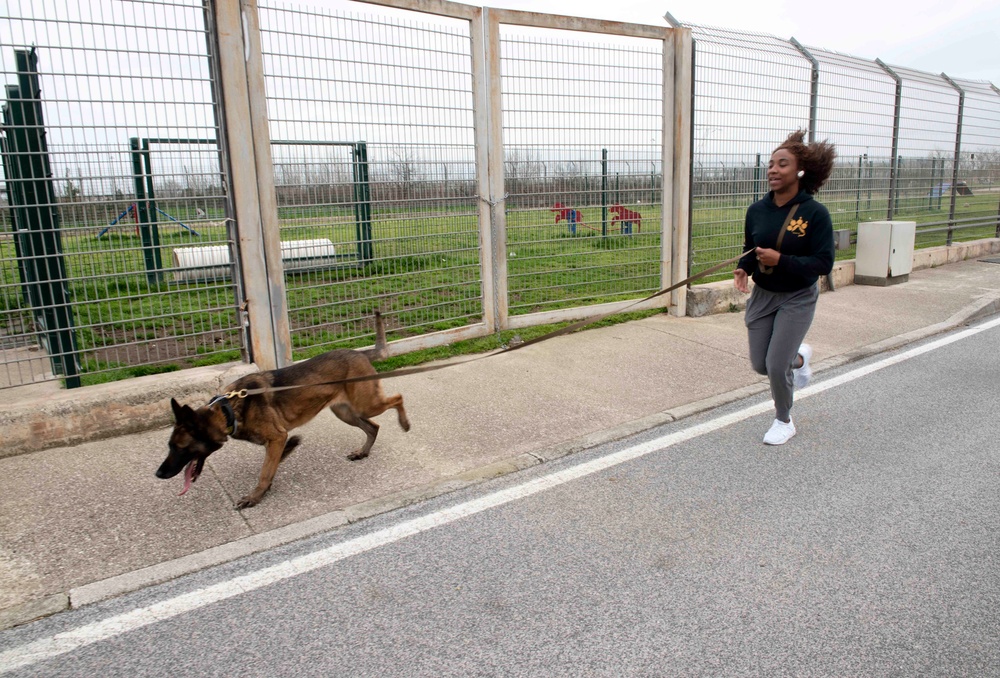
212,262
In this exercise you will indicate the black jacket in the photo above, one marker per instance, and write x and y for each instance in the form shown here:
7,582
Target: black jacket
807,250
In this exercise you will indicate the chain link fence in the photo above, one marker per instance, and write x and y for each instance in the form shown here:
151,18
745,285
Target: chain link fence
371,120
463,171
110,166
911,145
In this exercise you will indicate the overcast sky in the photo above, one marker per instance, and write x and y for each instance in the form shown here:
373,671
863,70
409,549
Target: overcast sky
959,38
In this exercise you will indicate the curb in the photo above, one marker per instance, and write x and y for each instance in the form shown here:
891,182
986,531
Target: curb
62,417
985,306
72,417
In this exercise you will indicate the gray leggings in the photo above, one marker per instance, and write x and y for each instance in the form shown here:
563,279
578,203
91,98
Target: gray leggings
777,323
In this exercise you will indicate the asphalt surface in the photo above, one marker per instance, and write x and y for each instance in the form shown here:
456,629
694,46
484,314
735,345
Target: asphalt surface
865,546
87,522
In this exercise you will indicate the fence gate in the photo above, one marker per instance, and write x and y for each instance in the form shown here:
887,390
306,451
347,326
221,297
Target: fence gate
591,123
466,127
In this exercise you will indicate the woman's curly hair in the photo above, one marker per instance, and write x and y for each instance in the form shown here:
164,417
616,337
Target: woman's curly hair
816,159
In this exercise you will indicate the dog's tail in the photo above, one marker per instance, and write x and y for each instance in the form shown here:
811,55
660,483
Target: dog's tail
381,350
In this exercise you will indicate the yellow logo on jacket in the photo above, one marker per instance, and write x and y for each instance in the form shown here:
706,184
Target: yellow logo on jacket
798,227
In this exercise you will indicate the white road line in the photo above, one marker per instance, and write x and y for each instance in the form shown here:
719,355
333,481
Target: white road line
68,641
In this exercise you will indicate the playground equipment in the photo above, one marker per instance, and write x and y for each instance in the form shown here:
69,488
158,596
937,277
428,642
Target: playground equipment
362,194
133,209
573,217
961,188
210,260
625,219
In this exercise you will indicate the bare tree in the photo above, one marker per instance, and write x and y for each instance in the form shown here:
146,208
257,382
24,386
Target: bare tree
403,173
521,171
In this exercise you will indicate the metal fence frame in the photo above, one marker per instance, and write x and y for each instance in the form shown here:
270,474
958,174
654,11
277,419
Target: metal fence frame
483,29
674,158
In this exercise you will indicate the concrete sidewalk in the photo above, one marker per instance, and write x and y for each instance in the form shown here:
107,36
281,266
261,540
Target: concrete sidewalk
83,522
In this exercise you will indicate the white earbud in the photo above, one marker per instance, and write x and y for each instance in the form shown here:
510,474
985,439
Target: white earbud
801,174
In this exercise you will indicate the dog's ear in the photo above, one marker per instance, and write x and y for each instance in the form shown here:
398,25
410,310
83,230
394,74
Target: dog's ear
182,413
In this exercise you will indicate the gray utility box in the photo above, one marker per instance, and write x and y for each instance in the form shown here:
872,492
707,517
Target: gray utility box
884,253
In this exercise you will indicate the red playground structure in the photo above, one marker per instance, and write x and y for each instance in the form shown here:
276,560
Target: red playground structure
625,219
571,215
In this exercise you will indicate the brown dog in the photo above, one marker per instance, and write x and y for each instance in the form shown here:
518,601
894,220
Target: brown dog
266,418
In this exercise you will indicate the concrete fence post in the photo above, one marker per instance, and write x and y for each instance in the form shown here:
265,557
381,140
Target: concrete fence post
245,136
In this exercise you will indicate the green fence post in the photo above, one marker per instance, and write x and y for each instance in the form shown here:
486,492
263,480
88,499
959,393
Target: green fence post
756,179
604,191
857,200
930,193
870,176
41,261
150,236
899,179
652,184
15,198
362,204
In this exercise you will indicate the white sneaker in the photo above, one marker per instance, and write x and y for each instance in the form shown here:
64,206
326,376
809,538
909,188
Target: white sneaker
802,375
780,432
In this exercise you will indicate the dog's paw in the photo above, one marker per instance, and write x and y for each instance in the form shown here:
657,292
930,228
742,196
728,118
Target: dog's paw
358,454
246,502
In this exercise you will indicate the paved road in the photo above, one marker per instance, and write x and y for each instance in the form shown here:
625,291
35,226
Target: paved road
867,546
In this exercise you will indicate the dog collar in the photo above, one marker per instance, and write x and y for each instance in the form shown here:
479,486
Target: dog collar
227,409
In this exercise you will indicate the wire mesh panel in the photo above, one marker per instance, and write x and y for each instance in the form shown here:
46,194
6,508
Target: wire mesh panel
582,136
110,168
856,110
751,90
400,167
371,116
928,128
976,184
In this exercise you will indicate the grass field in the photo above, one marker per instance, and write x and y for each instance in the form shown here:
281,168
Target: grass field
425,276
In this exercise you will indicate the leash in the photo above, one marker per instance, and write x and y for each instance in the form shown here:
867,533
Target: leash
767,270
406,371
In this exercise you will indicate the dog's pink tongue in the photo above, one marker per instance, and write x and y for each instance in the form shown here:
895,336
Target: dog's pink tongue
188,477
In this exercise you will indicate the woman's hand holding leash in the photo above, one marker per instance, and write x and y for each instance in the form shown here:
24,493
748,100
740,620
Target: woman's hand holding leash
768,257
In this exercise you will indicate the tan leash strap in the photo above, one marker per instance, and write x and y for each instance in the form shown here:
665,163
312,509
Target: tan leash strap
405,371
767,270
597,318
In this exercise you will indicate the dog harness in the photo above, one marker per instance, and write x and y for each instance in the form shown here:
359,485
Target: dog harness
227,409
